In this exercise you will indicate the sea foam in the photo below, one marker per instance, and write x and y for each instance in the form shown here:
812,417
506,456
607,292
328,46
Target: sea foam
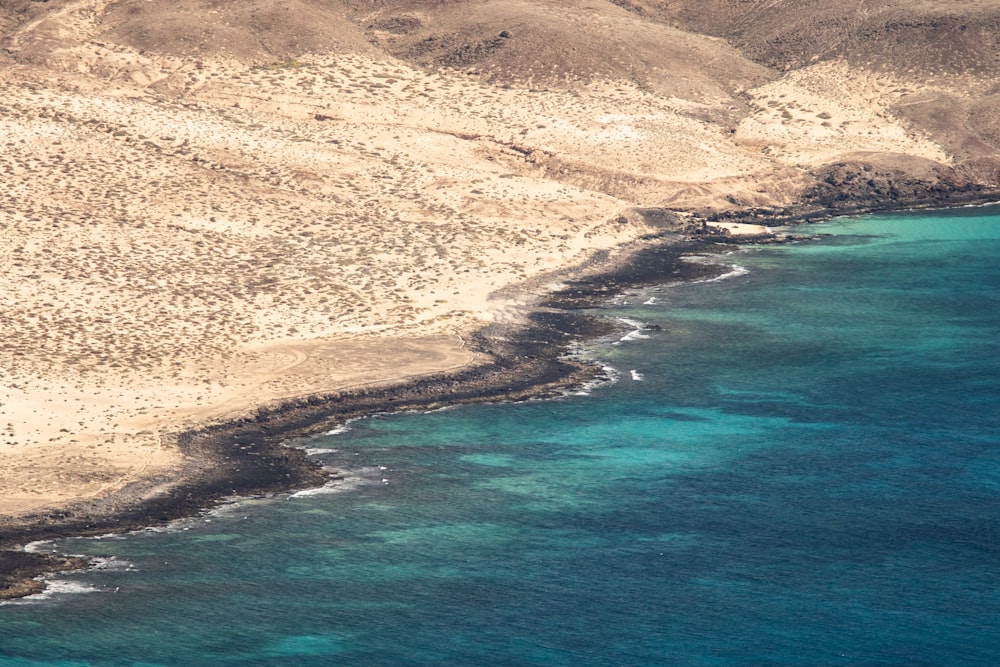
54,588
635,334
360,478
343,428
608,375
38,546
735,271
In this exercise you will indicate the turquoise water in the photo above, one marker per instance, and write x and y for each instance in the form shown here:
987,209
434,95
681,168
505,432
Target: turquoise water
803,469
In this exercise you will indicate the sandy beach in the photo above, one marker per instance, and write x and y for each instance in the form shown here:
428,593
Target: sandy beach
192,233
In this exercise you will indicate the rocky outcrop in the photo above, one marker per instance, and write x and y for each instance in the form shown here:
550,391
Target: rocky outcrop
861,186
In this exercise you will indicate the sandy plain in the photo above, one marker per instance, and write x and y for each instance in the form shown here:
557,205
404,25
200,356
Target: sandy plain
166,267
186,237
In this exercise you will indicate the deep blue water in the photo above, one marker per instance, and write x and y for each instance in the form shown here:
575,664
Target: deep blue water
803,469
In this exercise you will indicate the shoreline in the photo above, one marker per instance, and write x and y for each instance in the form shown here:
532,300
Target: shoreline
818,206
246,456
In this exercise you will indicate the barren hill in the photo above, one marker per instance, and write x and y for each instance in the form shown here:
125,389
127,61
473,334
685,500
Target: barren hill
208,205
945,57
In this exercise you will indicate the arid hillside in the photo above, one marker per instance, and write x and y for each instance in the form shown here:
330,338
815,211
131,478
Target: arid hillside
945,56
208,205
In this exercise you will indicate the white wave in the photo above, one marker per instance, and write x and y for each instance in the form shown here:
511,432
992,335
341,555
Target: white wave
633,335
636,333
608,375
173,528
65,587
228,510
339,485
989,203
343,428
111,563
54,587
234,506
735,271
651,301
443,408
318,491
637,376
313,451
635,324
38,546
611,372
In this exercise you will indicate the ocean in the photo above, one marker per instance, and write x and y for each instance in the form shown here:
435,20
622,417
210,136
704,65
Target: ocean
795,464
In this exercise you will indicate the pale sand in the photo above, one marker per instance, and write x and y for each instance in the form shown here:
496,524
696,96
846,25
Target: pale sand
86,439
186,240
741,228
148,292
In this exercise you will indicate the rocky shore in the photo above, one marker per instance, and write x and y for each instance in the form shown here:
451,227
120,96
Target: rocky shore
211,214
248,456
856,188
